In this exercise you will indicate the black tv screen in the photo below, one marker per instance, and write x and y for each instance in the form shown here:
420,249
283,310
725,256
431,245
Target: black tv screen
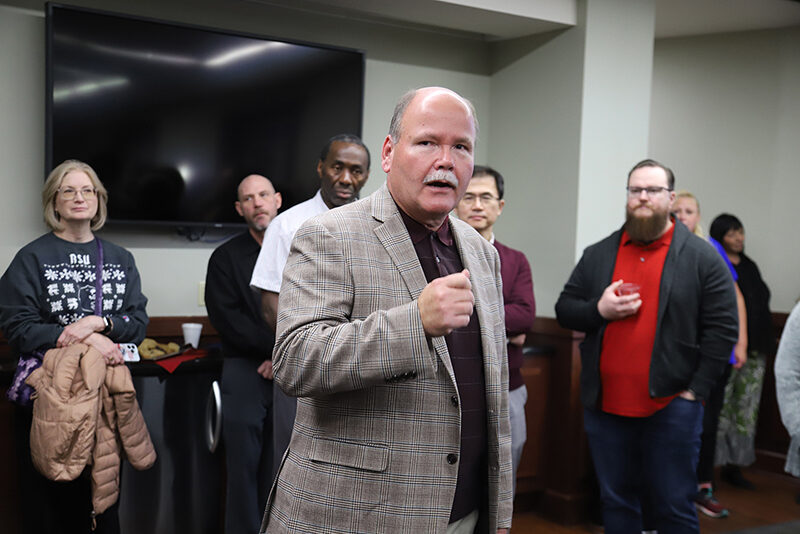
172,117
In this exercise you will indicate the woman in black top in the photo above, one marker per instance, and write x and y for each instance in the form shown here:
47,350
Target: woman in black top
737,424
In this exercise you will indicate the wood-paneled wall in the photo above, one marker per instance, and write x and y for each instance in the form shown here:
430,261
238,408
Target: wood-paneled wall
772,440
555,475
162,329
554,466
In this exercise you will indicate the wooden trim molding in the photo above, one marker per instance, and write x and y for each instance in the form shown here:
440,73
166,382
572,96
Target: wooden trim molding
555,473
558,480
170,326
779,320
162,329
548,326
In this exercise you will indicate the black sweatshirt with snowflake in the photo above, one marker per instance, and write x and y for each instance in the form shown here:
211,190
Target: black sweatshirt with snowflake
50,283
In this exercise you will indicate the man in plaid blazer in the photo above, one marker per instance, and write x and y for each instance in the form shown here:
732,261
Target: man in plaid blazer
391,334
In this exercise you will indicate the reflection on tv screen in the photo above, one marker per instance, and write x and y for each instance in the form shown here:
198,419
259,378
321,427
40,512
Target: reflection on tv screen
173,117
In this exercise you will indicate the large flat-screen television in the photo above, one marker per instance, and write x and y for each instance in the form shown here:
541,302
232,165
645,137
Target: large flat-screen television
172,117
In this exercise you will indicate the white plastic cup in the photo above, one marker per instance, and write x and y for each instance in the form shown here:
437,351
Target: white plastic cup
191,334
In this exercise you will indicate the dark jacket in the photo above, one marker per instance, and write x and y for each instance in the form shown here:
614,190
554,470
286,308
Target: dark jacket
760,336
697,324
233,308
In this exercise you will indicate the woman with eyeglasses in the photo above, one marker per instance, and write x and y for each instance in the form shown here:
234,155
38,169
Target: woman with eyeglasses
65,287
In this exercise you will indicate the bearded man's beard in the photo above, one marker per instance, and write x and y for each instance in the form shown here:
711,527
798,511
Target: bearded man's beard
644,229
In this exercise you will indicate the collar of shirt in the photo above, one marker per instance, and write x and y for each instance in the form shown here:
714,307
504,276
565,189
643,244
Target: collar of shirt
663,241
318,202
418,231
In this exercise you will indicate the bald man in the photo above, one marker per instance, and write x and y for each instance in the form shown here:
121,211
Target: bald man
391,335
235,311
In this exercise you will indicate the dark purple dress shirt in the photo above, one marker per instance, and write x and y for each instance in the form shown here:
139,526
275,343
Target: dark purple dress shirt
438,255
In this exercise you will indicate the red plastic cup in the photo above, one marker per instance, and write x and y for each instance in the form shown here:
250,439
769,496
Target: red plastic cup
628,288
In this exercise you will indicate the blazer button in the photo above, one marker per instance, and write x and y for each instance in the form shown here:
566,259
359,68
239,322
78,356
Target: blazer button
452,458
454,400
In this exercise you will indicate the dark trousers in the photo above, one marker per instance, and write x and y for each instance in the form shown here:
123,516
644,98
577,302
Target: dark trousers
708,445
247,432
50,507
651,459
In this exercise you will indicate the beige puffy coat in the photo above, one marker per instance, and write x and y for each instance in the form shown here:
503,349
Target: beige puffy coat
82,412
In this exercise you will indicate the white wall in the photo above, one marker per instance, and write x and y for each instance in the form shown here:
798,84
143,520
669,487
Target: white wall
569,117
387,81
21,131
726,118
615,111
535,110
172,267
724,114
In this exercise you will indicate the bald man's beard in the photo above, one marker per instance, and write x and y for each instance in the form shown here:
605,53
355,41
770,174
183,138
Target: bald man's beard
645,229
258,227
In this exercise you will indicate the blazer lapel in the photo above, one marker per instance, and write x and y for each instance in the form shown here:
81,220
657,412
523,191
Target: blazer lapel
393,235
679,237
477,271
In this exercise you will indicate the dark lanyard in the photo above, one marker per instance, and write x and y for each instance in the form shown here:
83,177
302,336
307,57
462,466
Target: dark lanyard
98,280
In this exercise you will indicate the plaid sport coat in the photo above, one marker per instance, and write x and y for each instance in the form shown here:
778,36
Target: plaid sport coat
376,419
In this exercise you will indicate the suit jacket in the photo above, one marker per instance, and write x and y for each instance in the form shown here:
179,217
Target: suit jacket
697,322
378,417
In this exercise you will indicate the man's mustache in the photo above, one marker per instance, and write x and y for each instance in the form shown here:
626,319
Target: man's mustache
442,176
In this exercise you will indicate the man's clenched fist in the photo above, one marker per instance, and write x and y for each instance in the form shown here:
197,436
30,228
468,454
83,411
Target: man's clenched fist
446,304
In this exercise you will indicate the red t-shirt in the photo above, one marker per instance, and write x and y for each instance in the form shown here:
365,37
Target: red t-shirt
628,343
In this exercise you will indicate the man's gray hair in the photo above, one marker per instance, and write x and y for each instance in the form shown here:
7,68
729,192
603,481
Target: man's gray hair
402,105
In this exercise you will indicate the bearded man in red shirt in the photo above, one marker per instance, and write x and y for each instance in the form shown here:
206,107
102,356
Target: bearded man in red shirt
659,312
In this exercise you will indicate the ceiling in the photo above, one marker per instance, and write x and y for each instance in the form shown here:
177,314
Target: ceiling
675,18
497,20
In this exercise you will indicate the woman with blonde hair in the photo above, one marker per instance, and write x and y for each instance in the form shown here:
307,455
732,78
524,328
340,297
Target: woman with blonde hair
686,209
65,287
